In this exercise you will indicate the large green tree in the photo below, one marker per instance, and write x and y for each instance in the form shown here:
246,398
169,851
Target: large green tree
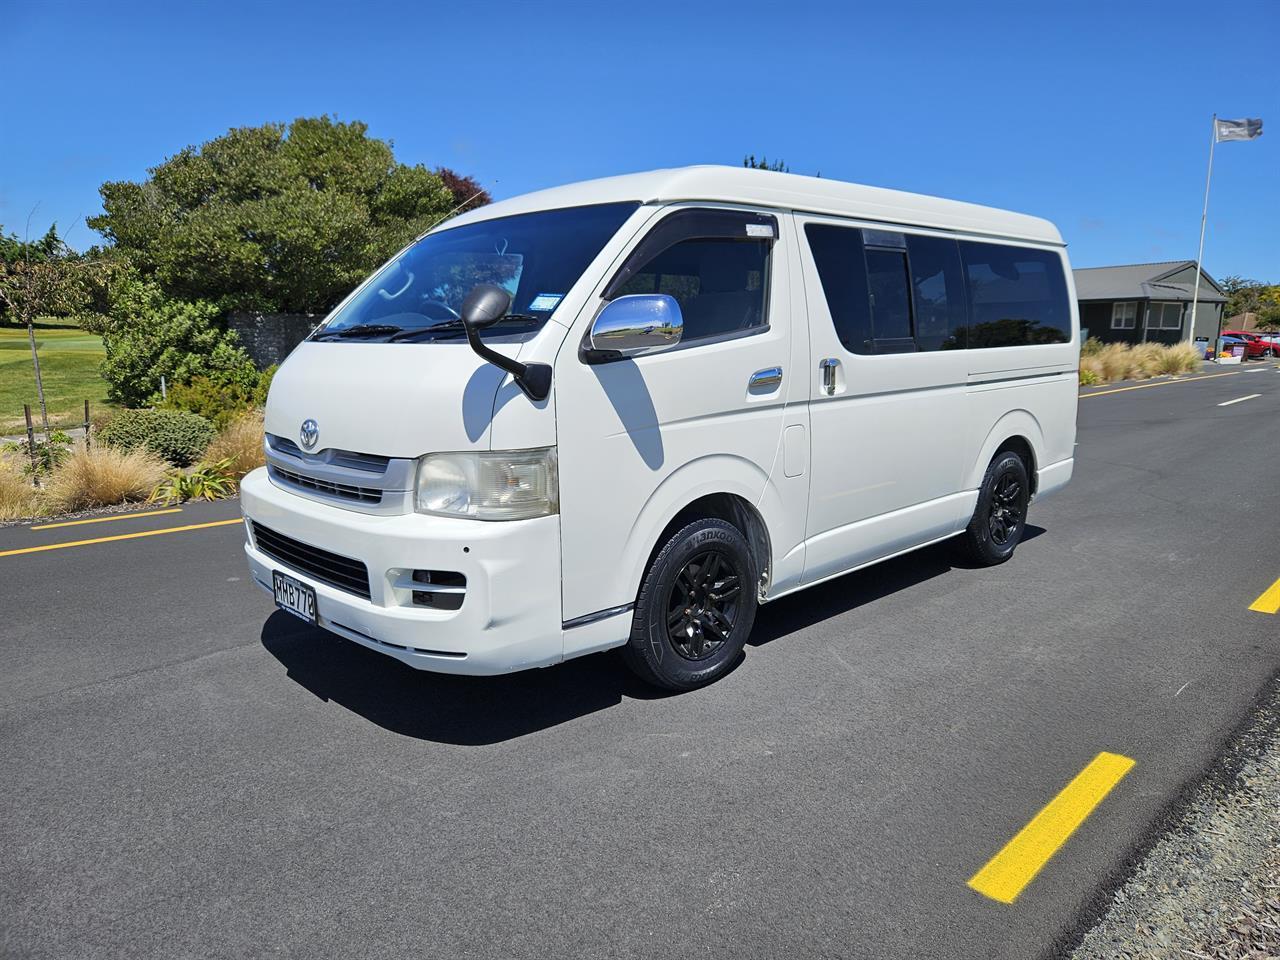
277,217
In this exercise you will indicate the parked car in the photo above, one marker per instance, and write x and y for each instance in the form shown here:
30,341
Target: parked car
624,413
1273,343
1254,345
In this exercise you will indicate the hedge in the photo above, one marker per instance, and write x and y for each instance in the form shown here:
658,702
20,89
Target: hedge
176,435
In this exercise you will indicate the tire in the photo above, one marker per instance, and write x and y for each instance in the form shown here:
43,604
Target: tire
695,608
1000,518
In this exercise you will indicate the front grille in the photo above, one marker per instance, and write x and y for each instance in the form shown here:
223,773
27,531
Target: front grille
331,568
347,491
367,462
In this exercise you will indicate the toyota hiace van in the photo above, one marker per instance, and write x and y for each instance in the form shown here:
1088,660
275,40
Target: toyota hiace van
627,412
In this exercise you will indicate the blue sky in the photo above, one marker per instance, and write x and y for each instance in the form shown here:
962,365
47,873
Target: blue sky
1093,115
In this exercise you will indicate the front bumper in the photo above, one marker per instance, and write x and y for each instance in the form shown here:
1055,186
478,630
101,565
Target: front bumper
509,619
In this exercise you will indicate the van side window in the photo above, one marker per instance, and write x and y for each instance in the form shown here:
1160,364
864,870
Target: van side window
890,286
937,280
1017,295
719,284
838,255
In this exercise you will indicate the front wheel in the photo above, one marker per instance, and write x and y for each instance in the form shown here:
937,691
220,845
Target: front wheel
695,607
1000,518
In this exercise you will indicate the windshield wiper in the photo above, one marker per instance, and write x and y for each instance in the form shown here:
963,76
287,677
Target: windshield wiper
453,327
361,330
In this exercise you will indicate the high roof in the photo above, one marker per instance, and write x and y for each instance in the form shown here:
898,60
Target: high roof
1144,281
784,191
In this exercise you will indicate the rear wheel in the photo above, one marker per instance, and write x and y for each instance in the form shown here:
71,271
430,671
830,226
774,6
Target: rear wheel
695,608
1000,518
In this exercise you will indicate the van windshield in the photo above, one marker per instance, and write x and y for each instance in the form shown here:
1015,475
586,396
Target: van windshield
537,257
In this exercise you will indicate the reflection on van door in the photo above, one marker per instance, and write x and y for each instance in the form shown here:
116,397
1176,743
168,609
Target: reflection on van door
710,405
891,433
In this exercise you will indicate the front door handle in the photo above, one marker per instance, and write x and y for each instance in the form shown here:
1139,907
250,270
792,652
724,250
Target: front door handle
768,377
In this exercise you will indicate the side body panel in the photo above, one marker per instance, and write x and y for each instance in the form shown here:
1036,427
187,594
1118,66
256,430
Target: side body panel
641,438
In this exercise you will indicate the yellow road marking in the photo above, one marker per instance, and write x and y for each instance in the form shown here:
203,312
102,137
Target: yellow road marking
1165,383
1016,865
119,516
1269,602
119,536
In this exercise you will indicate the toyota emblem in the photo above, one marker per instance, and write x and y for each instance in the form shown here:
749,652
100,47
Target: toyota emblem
309,434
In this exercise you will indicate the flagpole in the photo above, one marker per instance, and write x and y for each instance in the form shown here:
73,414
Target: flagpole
1204,216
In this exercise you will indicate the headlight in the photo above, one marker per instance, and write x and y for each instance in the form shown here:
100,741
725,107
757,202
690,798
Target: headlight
507,485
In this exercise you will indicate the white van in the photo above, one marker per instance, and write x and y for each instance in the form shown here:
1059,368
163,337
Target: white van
626,412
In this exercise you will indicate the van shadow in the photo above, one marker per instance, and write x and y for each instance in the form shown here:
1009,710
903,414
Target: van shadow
853,590
477,711
465,711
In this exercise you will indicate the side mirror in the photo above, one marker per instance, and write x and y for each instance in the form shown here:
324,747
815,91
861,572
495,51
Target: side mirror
484,306
634,325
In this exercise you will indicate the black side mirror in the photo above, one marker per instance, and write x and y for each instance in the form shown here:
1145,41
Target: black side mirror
484,306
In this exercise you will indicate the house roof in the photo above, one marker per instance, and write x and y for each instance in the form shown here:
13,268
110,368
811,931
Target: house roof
784,191
1143,281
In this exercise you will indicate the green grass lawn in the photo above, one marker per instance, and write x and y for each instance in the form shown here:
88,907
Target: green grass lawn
69,360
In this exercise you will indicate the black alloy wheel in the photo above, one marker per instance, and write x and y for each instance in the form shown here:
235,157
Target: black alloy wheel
703,605
1000,517
695,607
1008,509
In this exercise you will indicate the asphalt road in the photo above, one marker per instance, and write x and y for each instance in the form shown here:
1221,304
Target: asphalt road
186,773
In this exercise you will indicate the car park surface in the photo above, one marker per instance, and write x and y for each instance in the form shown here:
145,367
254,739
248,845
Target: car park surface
190,772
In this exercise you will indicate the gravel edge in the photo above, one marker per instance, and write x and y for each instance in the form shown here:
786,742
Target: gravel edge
1209,887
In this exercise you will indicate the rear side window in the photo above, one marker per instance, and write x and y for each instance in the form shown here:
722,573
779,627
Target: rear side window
937,281
1017,296
838,255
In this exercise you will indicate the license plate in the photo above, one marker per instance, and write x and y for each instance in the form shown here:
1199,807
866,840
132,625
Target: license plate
293,596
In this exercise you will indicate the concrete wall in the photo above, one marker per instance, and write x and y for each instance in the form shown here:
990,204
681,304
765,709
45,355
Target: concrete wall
269,337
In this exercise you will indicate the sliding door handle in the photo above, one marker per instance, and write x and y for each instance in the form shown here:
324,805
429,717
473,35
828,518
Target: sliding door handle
828,369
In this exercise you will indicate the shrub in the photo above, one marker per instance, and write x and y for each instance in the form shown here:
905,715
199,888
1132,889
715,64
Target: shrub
219,403
48,453
240,442
101,476
264,385
18,498
148,336
209,481
1091,347
1181,358
1089,377
1116,361
176,435
1147,360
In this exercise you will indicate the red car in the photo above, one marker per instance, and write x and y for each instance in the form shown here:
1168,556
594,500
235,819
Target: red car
1254,345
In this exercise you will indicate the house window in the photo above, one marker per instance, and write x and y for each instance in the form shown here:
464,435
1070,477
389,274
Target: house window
1164,316
1124,316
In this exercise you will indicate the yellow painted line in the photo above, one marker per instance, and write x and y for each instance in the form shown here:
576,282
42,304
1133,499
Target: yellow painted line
1269,602
119,536
119,516
1016,865
1165,383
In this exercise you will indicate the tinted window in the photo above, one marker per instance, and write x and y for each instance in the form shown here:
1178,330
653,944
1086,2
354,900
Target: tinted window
890,289
719,284
838,255
937,280
1016,296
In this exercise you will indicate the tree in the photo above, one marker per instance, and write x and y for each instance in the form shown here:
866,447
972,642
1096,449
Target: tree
777,166
40,279
1250,296
275,217
467,192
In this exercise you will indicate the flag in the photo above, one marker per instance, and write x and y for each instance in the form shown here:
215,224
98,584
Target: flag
1247,129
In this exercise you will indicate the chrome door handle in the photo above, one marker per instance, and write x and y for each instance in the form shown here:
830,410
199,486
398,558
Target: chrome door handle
828,369
768,377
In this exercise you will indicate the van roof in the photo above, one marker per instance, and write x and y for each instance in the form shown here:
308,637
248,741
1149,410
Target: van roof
785,191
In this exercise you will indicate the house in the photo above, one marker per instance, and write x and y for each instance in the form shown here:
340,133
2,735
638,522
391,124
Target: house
1141,302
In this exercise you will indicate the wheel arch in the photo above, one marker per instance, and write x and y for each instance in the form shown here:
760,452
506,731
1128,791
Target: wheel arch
723,487
1017,431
